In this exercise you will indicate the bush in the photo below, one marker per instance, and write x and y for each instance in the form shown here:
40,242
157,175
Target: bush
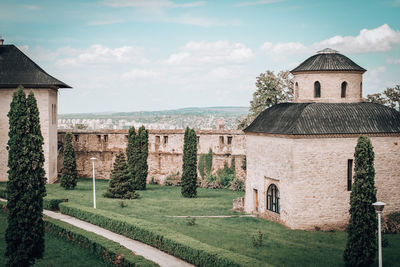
257,239
391,224
191,221
53,203
165,239
226,175
237,185
173,179
108,250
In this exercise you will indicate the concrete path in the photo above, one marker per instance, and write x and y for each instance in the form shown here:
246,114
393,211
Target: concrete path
148,252
213,216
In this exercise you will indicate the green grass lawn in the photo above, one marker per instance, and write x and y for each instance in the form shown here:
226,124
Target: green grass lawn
58,252
282,246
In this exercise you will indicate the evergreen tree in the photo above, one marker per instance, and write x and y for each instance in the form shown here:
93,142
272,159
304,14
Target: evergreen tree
69,177
189,174
132,153
361,241
143,149
26,178
119,186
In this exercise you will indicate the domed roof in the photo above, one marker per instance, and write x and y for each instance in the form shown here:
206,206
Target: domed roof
326,118
328,60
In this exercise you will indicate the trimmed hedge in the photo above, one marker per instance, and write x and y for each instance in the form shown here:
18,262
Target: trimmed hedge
165,239
109,251
53,203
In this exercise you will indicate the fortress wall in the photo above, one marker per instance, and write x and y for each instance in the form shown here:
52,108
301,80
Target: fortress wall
165,150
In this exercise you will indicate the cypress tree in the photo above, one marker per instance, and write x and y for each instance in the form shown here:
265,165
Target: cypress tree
189,174
361,240
69,178
143,150
132,153
119,186
26,180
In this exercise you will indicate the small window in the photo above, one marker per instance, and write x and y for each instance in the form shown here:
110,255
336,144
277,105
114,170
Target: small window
53,113
198,139
360,89
158,139
105,138
349,173
126,138
165,139
229,140
221,140
296,90
344,87
273,199
317,89
76,137
99,138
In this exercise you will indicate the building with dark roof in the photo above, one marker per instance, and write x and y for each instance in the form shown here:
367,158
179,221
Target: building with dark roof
300,155
18,69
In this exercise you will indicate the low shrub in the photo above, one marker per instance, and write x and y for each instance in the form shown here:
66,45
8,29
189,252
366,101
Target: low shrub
191,221
109,251
53,203
165,239
237,184
173,179
226,175
257,239
391,223
122,204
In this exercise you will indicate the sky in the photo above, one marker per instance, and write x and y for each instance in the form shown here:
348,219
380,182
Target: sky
135,55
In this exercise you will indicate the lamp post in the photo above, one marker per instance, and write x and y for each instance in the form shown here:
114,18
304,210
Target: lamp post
94,183
379,208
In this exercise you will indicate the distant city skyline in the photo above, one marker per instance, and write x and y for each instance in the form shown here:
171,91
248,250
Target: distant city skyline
133,55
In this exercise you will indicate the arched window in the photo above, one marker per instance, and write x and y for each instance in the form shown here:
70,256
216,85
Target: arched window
360,89
273,199
344,87
296,90
317,89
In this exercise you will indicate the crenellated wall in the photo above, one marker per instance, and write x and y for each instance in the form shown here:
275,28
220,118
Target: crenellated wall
165,150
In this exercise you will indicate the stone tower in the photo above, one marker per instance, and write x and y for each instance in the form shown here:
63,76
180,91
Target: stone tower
328,77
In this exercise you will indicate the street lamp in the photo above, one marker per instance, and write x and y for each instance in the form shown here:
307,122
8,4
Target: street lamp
94,183
379,208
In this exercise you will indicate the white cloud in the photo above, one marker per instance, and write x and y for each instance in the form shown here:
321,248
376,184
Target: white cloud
151,3
211,53
280,51
140,74
393,60
379,39
98,54
259,2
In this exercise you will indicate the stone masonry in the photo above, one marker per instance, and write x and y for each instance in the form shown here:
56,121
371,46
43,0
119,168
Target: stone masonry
165,150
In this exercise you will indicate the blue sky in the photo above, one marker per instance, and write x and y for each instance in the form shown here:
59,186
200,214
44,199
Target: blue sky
130,55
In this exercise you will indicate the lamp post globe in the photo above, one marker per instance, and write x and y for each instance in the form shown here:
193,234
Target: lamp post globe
379,208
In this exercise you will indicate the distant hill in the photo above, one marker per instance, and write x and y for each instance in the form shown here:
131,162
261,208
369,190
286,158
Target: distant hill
194,117
205,111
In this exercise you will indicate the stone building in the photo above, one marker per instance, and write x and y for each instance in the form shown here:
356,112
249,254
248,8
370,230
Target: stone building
17,69
300,155
165,150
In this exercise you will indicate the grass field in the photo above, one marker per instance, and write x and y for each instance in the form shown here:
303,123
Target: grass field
282,247
58,252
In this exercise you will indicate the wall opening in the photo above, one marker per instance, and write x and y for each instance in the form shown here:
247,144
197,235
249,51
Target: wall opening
349,173
296,90
99,138
105,138
317,89
165,139
229,140
255,194
273,199
157,139
76,137
344,88
221,140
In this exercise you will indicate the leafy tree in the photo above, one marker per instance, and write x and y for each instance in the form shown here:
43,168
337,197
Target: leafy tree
205,164
26,182
119,186
271,90
189,174
361,241
208,163
143,148
390,97
69,177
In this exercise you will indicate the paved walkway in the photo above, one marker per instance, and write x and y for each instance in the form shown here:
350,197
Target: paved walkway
214,216
148,252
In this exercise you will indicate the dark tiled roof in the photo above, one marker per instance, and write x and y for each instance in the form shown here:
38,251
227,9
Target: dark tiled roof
326,118
18,69
328,60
